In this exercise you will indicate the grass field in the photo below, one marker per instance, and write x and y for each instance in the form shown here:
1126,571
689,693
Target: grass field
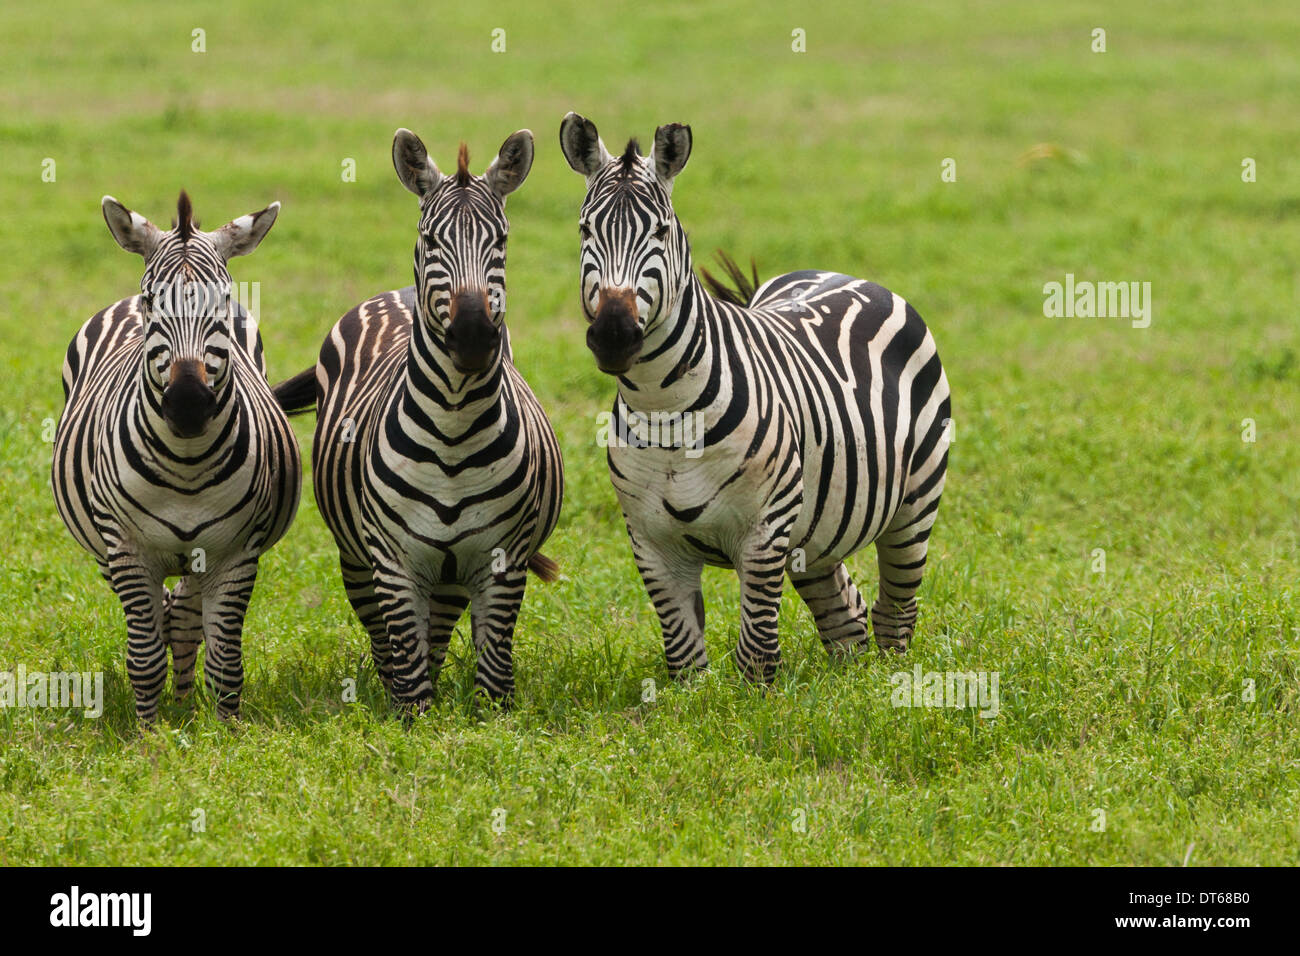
1163,691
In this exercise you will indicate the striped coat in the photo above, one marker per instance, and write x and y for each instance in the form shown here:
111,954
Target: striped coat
817,405
434,465
172,456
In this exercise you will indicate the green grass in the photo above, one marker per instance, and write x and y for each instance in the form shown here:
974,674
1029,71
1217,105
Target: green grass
1120,691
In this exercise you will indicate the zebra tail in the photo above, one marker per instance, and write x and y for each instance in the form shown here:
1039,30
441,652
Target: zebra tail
297,395
742,288
544,567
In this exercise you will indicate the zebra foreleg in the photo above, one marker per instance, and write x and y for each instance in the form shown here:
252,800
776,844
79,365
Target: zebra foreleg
140,590
900,555
494,608
673,586
184,633
226,593
445,609
405,607
838,610
761,569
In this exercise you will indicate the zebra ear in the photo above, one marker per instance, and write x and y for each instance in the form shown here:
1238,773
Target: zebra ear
671,150
414,166
241,236
582,145
133,232
509,170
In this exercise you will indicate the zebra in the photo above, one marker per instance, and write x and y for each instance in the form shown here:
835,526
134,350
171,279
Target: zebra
433,464
822,420
172,456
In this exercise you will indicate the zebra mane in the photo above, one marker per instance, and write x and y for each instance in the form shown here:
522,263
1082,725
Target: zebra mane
631,154
742,288
184,224
462,165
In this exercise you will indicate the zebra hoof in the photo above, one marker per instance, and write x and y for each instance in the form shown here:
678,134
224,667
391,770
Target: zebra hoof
498,700
898,645
760,669
409,710
847,650
688,672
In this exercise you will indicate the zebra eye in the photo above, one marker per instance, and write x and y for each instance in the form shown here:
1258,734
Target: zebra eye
661,232
584,230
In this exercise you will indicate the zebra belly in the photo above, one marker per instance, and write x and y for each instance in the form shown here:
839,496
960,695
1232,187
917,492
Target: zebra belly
852,485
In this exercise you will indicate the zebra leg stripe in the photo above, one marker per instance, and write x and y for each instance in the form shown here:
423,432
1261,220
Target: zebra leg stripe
762,577
900,556
445,610
184,633
674,590
493,612
838,610
141,594
226,594
358,582
406,614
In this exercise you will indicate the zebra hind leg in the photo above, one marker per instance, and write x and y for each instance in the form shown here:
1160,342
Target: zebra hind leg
900,556
838,609
183,632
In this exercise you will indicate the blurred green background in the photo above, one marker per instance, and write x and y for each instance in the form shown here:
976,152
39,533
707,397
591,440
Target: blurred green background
1122,691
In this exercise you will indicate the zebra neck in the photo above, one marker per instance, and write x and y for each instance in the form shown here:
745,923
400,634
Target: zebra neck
674,367
439,389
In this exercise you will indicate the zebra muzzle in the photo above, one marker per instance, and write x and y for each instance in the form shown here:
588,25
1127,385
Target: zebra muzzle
188,402
614,336
472,336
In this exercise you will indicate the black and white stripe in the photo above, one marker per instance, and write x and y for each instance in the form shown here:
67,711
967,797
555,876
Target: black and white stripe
172,456
824,412
434,465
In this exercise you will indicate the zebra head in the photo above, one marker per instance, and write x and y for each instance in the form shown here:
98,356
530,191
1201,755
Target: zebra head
636,261
460,250
185,298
